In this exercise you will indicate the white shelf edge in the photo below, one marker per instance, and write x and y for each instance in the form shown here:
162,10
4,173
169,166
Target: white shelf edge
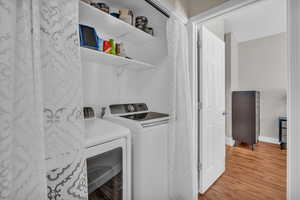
94,56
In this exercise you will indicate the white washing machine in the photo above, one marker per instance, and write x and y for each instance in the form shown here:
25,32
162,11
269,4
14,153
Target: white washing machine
149,146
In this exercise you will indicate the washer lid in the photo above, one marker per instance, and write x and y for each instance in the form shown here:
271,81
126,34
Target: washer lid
145,116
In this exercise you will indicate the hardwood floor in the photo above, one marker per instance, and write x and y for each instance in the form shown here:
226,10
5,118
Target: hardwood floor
257,175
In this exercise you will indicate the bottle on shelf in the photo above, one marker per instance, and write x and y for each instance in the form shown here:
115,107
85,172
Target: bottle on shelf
112,47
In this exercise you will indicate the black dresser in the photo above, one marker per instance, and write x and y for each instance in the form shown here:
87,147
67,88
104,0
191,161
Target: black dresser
246,117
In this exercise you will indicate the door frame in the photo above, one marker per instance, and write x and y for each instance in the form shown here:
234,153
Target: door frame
293,24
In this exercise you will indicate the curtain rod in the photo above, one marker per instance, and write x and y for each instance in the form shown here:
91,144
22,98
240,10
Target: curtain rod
159,9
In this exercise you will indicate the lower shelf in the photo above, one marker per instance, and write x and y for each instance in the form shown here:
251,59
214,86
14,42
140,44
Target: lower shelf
90,55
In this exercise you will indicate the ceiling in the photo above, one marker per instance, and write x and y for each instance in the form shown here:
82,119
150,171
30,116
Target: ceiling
265,18
195,7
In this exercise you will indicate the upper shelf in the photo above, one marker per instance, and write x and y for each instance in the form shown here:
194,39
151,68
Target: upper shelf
115,27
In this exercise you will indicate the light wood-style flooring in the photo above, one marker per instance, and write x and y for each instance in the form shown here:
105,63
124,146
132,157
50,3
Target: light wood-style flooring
251,175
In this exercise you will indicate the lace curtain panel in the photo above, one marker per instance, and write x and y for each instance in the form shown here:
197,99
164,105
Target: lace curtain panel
22,155
41,127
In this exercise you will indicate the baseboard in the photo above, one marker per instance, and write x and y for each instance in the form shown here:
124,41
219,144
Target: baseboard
229,141
268,139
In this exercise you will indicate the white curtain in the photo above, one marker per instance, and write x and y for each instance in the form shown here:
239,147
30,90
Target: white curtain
62,87
41,130
182,162
22,155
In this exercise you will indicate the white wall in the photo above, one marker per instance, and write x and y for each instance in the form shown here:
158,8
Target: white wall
232,78
234,63
216,26
253,22
263,67
104,85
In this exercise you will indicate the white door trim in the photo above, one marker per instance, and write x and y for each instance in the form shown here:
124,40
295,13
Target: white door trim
293,88
293,99
230,141
268,140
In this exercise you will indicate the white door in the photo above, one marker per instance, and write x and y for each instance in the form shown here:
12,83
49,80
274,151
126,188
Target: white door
212,109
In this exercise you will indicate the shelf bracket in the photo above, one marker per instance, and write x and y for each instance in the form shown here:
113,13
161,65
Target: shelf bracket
120,70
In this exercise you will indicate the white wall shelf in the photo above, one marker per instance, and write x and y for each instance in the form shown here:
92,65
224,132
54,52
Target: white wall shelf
90,55
113,26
